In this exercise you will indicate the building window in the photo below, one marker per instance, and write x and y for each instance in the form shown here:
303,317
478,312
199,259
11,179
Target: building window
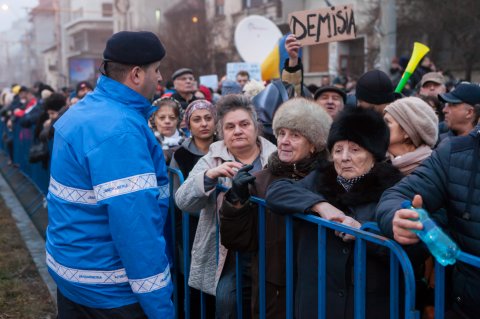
107,10
252,3
219,7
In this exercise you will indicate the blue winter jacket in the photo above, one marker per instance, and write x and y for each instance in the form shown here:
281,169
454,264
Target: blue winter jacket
107,204
449,178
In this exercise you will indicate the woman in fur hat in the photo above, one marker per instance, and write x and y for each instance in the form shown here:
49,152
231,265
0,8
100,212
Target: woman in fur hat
353,183
301,129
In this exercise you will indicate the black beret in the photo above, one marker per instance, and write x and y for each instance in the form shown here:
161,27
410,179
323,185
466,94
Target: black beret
135,48
181,72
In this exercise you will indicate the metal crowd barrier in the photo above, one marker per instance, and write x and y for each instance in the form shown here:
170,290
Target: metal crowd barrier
22,139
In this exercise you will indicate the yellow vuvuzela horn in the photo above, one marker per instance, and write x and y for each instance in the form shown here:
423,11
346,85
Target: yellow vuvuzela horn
419,51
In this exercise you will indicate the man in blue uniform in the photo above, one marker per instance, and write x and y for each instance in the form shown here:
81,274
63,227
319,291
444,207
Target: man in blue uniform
108,193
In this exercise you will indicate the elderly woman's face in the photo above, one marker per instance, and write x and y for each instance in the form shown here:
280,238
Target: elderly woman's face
293,146
239,130
351,160
166,121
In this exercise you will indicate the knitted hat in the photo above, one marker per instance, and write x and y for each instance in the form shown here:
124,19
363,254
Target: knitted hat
206,92
417,119
231,87
181,72
362,126
375,87
54,102
199,105
305,117
135,48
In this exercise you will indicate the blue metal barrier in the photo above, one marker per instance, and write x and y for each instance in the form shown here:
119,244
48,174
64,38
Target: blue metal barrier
22,139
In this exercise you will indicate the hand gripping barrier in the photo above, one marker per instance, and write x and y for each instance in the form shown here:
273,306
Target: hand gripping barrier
22,138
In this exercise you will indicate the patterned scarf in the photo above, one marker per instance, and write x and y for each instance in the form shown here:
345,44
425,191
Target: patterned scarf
348,183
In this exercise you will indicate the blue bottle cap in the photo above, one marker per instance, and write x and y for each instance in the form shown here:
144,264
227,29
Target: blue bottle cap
406,204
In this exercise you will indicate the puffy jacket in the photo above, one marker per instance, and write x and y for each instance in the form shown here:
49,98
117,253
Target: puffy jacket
449,178
107,204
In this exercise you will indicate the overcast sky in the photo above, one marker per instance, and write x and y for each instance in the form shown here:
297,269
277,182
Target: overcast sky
16,9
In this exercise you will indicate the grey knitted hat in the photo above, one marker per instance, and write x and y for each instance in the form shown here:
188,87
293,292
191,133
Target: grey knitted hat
305,117
416,118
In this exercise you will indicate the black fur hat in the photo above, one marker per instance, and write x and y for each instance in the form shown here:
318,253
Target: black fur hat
364,127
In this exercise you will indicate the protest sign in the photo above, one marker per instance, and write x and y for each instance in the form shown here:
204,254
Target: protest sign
252,68
323,25
210,81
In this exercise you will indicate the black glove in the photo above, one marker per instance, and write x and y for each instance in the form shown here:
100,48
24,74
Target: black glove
239,190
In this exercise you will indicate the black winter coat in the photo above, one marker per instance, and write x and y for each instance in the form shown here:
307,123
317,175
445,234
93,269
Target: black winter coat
288,197
450,178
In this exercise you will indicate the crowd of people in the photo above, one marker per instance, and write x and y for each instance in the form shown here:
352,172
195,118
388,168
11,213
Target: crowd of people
349,152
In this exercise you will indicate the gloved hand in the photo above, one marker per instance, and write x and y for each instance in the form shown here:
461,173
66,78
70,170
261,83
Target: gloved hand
239,191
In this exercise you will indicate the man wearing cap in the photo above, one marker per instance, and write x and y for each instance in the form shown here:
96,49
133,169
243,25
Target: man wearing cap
108,193
83,88
461,110
375,90
184,83
449,178
331,98
432,84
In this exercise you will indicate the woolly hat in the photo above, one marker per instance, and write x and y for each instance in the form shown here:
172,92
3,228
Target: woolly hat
305,117
375,87
362,126
231,87
417,119
135,48
54,102
206,91
181,72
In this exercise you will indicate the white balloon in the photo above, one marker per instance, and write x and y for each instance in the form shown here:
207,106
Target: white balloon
255,38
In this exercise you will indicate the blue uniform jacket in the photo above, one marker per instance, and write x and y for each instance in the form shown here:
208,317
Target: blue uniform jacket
108,203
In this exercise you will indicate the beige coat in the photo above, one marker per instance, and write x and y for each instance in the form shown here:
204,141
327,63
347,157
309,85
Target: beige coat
192,197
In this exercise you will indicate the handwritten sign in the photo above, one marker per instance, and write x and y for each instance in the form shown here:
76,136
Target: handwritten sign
323,25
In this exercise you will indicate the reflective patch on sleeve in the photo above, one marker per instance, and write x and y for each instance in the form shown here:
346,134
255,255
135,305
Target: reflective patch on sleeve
107,277
125,186
159,281
72,194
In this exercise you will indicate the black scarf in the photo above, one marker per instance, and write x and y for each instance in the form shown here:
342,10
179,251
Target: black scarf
296,171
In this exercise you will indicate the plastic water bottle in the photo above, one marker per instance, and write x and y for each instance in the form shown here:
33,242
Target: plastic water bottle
442,247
